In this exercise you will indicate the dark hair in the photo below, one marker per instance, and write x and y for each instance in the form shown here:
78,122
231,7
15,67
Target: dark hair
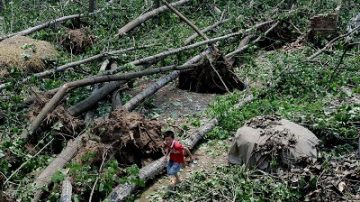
169,133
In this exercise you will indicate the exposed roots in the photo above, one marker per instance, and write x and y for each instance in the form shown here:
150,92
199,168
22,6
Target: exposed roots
78,40
133,137
215,76
59,119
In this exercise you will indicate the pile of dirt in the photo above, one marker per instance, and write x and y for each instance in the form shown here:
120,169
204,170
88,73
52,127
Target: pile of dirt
59,119
76,41
29,55
269,143
215,76
133,137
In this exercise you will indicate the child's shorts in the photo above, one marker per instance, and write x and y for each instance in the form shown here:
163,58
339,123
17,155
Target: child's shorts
173,168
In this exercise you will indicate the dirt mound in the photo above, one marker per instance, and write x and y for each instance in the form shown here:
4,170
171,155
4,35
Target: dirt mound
27,54
77,40
134,137
269,142
206,78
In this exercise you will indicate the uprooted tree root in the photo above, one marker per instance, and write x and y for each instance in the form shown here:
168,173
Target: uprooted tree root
78,40
59,119
215,76
133,137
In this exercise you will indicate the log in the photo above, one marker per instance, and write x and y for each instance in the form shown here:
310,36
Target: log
153,88
44,179
73,64
206,29
181,16
64,89
66,191
94,98
245,45
146,16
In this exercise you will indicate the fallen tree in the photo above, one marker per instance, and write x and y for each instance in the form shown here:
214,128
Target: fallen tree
146,16
59,162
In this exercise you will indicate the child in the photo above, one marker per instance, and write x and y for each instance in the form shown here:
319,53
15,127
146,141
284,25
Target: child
177,155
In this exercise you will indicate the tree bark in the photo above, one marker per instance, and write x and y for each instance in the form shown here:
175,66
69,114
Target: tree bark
66,191
44,179
206,29
146,16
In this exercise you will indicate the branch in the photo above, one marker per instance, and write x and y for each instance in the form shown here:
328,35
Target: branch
146,16
197,30
331,43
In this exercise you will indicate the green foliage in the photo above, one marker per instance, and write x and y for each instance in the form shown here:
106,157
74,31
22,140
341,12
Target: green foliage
233,183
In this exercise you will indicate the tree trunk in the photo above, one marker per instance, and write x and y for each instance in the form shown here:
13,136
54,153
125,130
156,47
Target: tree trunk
146,16
44,179
66,191
94,98
92,6
206,29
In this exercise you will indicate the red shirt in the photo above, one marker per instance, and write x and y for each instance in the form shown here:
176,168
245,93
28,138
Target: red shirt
178,156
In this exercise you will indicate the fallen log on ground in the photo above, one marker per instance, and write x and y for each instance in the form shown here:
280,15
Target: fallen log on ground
59,162
154,58
73,64
245,46
206,29
66,191
64,89
146,16
51,23
121,192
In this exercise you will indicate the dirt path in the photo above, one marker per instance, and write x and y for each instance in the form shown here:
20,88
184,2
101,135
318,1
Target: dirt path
208,157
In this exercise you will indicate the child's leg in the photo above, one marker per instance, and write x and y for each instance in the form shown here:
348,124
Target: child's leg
173,172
